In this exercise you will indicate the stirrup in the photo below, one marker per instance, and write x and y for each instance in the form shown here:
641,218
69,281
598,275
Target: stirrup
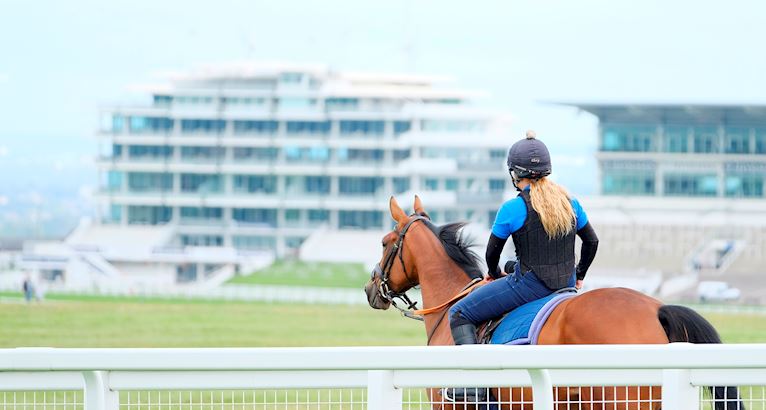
465,394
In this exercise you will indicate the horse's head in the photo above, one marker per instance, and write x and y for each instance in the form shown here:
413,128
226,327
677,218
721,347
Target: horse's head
396,272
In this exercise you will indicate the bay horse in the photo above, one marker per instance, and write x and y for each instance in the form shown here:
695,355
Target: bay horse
441,262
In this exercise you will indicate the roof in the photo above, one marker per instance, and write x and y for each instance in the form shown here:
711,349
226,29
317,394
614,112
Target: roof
686,113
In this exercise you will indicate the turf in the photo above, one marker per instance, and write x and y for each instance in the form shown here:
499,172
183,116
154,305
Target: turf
167,323
315,274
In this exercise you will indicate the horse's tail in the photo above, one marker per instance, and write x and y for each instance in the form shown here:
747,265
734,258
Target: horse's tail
682,324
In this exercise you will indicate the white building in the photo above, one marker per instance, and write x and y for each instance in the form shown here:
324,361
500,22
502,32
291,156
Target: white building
258,156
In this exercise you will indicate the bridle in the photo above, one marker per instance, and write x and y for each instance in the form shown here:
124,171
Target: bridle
384,273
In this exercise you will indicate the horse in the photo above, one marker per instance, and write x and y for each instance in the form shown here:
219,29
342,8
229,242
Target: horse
439,259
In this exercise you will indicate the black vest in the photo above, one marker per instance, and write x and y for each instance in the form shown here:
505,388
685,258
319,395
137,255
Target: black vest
552,260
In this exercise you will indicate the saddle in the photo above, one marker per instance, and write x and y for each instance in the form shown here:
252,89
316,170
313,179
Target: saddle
522,325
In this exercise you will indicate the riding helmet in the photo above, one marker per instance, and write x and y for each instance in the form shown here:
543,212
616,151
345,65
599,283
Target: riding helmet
529,158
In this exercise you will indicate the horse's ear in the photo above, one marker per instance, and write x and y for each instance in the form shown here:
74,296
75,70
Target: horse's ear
418,207
396,211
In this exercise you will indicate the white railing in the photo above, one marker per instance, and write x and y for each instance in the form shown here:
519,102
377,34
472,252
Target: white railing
371,377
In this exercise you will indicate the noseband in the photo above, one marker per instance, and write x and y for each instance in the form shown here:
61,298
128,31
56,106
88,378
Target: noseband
384,273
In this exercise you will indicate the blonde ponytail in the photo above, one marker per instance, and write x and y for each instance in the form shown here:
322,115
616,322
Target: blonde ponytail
551,201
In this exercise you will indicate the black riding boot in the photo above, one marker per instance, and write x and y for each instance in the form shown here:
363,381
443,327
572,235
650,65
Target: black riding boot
464,334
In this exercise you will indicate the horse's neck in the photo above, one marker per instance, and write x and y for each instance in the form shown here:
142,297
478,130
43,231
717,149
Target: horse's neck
440,279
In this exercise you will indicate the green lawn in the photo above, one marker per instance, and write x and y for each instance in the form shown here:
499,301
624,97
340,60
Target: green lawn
177,323
319,274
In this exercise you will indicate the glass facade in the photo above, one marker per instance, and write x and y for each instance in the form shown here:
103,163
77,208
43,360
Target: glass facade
254,242
255,154
360,219
255,216
150,151
628,138
401,184
308,127
691,184
359,185
202,126
150,182
628,183
201,183
149,215
148,125
317,185
203,154
255,127
376,128
676,139
201,213
737,140
255,184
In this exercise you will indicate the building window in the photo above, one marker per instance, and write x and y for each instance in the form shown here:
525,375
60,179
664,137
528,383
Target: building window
150,151
114,180
149,215
706,140
451,184
317,184
491,215
292,217
294,242
360,219
146,125
202,126
362,155
749,186
400,127
628,183
401,154
498,155
691,185
628,138
254,242
431,184
150,182
201,240
401,184
115,213
258,154
676,139
255,184
496,185
201,183
359,185
341,104
311,154
203,154
255,127
737,140
760,141
308,127
118,123
290,78
116,150
163,100
255,216
319,215
364,128
201,213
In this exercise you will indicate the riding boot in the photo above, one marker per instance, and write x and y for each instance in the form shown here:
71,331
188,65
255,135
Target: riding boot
465,334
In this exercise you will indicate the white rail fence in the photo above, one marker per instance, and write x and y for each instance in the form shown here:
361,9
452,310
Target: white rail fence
379,378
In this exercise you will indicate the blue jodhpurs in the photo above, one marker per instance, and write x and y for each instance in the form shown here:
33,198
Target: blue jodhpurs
501,296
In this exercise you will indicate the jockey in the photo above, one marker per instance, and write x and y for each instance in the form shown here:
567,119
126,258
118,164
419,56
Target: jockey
543,221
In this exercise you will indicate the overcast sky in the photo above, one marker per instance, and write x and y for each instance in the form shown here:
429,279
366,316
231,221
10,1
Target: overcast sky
59,60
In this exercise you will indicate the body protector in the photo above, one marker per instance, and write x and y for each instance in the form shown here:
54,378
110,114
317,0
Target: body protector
552,260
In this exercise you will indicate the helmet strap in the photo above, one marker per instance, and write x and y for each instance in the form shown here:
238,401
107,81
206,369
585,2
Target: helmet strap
515,180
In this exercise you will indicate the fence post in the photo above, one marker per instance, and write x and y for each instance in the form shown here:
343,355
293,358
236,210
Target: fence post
677,390
381,392
98,395
542,389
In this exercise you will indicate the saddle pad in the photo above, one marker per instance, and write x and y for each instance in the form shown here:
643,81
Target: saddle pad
522,325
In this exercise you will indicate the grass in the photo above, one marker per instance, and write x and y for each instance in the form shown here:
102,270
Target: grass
76,321
317,274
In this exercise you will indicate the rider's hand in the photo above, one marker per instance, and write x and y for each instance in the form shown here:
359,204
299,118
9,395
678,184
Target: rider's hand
578,284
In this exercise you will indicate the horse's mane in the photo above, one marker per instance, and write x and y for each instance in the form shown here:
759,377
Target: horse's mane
458,247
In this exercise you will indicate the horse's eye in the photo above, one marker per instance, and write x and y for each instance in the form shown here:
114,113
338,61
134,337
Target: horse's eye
384,244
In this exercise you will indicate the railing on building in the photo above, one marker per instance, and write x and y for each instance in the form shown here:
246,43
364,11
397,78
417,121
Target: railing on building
372,377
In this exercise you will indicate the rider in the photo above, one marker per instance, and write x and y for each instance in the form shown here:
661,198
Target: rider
542,220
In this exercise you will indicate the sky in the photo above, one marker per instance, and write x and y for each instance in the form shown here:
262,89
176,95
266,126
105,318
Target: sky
61,60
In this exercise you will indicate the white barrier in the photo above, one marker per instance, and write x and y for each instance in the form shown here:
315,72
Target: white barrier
382,372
